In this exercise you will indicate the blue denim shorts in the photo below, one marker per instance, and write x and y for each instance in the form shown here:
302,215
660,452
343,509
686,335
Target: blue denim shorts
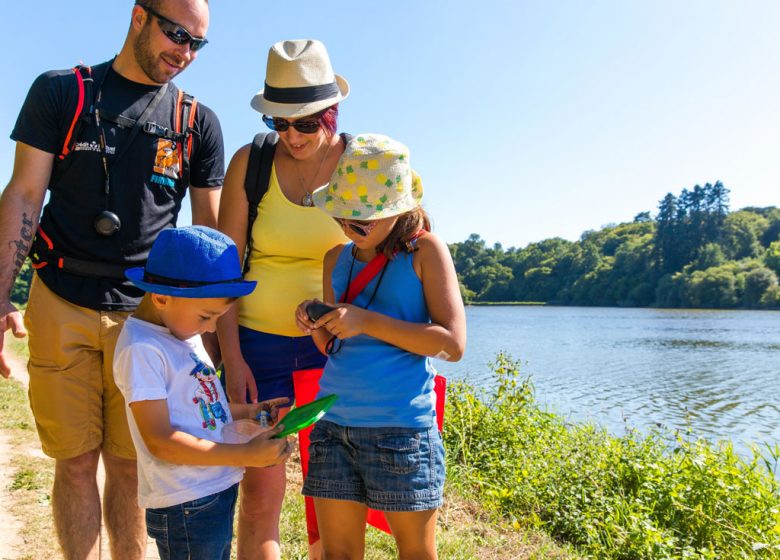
273,358
388,469
198,530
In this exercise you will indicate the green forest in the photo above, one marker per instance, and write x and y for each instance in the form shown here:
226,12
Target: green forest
694,252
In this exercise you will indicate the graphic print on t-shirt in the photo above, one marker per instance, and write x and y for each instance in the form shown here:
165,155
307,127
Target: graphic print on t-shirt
166,163
206,396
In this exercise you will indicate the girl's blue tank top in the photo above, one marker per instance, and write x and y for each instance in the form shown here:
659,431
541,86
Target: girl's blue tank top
379,384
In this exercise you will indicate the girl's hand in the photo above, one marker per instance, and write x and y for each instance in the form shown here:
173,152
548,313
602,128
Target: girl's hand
270,406
345,322
302,318
240,380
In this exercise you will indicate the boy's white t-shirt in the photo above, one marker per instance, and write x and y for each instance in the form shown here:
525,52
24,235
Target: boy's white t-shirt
151,364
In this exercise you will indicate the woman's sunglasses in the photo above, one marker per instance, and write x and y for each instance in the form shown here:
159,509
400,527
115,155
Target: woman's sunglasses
176,32
361,228
280,125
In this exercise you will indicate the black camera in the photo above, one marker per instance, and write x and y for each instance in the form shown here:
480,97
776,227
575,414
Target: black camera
107,223
315,310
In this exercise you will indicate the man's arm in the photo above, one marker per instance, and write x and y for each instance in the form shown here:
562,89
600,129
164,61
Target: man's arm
20,209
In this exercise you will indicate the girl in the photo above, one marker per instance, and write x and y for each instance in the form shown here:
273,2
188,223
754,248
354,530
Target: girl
398,305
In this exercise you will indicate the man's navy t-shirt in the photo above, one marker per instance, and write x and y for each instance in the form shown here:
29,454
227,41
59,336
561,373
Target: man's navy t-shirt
145,186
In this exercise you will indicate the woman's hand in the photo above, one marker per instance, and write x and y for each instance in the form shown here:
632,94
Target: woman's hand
240,381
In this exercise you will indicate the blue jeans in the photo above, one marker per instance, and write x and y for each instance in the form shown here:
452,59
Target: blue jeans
388,469
198,530
273,358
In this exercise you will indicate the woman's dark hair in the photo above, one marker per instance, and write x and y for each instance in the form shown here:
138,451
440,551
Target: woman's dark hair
400,236
329,118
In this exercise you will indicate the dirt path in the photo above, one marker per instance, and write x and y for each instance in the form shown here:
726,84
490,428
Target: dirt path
11,544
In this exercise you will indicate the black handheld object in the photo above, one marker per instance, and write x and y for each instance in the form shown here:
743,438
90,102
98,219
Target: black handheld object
315,310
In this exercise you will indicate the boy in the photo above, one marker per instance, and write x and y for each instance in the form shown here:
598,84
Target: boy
187,478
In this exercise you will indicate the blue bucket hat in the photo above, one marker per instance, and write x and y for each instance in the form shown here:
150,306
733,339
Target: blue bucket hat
192,262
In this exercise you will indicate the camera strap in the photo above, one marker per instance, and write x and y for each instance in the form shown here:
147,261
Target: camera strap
137,126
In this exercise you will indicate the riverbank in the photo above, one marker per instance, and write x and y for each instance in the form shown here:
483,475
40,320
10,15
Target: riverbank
613,497
466,530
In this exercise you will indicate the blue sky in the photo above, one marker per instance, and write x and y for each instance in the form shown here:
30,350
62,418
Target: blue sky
526,120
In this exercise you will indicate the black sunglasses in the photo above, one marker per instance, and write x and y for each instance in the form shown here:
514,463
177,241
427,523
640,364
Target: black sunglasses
176,32
280,125
362,229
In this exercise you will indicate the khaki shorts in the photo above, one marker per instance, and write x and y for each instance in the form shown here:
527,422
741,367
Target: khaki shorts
74,399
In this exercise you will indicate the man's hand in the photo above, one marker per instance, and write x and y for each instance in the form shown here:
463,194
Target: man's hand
10,318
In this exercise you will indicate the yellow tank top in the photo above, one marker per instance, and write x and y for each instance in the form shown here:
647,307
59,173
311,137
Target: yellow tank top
289,243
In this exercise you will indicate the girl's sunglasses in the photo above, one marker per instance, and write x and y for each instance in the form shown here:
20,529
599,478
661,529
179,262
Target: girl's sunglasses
280,125
175,32
361,228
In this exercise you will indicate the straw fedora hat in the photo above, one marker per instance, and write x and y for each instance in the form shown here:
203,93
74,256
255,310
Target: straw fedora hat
299,80
372,180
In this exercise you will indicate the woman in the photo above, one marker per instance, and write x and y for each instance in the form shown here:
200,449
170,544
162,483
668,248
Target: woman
261,345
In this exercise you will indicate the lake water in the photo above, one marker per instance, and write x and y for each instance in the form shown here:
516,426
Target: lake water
716,372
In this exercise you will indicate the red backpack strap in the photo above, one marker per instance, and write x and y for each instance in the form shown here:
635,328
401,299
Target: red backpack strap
84,84
184,119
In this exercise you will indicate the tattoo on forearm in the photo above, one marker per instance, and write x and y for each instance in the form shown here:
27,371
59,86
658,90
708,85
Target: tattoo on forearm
22,245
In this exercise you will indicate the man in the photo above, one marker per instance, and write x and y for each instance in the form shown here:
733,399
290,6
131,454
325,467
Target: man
120,184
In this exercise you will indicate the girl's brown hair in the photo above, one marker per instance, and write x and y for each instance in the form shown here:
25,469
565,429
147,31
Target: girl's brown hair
404,229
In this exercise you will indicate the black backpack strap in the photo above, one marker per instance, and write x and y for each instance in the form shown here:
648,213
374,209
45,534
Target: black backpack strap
258,175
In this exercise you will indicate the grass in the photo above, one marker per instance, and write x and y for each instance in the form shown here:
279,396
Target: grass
465,530
612,497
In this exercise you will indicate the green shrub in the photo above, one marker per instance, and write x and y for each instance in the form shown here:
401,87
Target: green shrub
635,496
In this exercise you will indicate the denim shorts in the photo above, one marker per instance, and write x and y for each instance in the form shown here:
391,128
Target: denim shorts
388,469
198,530
273,358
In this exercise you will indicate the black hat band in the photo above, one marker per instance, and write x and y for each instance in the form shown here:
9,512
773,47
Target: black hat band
304,94
179,283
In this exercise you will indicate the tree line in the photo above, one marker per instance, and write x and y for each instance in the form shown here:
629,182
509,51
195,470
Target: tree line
694,252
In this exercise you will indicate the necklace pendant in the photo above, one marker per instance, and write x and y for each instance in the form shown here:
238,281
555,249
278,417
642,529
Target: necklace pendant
307,200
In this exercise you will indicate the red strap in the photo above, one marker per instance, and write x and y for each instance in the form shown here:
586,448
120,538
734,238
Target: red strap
365,276
77,114
177,125
190,124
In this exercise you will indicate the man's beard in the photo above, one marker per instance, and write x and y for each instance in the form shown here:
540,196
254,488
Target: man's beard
147,60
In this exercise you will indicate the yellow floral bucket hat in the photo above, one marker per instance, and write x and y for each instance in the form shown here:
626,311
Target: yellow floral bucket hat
373,180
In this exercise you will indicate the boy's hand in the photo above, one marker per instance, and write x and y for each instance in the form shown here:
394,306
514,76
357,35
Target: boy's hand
265,451
270,406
